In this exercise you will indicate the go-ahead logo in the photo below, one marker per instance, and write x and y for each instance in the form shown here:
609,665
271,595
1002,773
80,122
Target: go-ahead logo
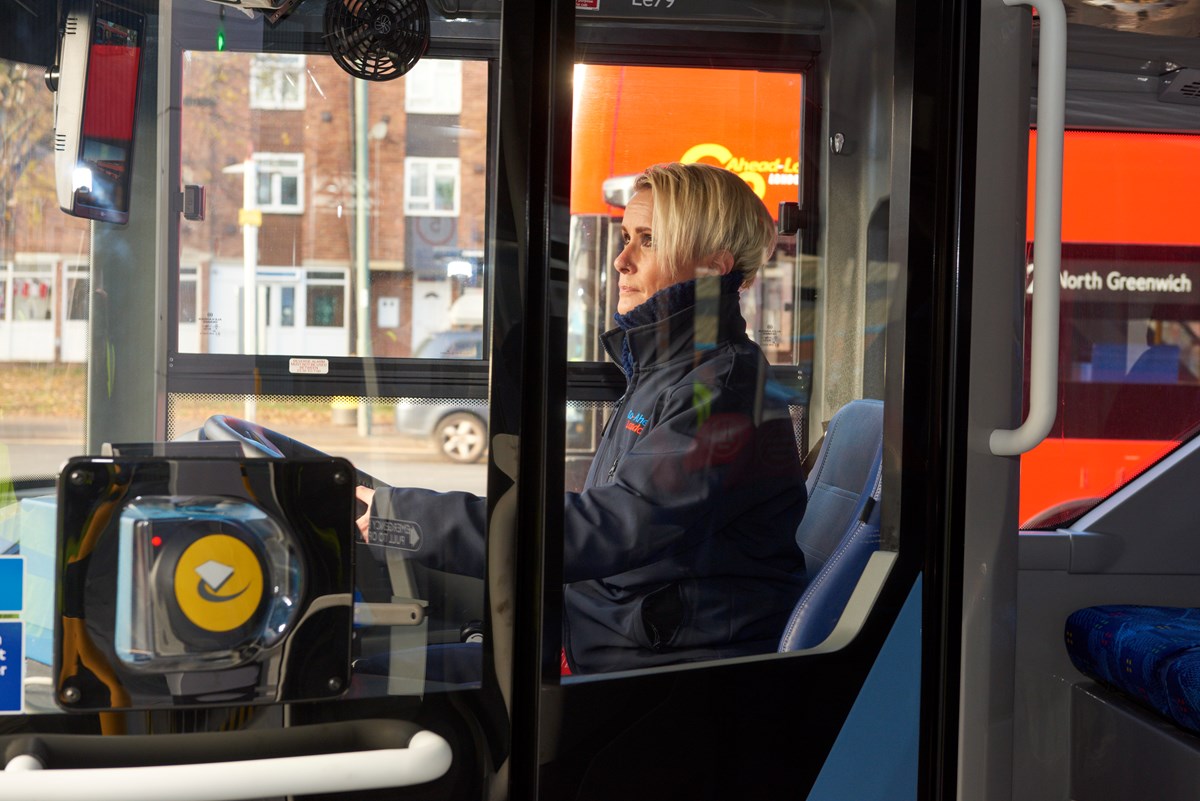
218,583
758,173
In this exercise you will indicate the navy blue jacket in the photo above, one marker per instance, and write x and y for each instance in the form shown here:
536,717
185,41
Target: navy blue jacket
681,545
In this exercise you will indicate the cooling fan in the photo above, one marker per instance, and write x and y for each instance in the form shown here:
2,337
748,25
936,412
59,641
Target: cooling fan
377,40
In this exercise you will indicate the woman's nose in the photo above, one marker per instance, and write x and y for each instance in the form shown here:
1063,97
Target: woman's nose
621,263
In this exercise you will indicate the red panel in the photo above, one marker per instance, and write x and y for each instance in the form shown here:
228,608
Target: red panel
1062,470
1127,188
111,91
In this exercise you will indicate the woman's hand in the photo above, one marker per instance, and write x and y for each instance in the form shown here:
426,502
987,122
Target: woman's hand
364,494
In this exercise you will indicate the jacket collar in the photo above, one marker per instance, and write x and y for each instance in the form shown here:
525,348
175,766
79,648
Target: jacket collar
685,318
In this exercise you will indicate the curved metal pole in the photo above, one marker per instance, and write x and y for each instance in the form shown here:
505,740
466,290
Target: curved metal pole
426,758
1047,234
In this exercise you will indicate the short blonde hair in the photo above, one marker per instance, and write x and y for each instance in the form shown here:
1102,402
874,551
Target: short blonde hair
700,210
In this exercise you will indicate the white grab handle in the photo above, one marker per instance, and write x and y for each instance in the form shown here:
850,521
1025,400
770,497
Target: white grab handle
1047,233
426,758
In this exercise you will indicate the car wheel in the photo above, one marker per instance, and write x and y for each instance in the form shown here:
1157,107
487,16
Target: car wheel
461,437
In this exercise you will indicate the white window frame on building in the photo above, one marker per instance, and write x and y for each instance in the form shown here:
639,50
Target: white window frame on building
434,86
422,175
277,168
326,277
277,81
75,304
33,275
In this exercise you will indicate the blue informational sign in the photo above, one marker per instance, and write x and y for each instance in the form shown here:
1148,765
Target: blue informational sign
12,574
11,685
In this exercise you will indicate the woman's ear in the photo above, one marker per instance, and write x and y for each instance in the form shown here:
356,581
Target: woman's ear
720,263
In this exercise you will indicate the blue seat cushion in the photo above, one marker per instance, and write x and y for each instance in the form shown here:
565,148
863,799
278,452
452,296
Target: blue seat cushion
1149,653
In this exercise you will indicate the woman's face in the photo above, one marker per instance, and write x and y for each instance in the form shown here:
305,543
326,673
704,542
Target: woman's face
639,273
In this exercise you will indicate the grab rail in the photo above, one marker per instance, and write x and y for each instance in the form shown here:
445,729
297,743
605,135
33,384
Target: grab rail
1047,234
397,754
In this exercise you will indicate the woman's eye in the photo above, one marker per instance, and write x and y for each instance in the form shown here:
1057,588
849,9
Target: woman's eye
647,241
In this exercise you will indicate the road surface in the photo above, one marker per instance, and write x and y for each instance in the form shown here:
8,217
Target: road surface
37,448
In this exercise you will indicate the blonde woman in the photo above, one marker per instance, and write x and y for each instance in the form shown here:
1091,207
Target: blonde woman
681,546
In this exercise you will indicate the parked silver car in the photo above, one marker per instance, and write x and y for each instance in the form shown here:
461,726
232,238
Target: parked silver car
458,427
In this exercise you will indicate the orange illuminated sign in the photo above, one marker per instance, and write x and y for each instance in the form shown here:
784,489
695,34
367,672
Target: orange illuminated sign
627,118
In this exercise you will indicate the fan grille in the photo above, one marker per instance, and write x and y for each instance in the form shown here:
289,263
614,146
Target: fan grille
377,40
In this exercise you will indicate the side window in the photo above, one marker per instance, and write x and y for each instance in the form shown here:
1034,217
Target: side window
1129,346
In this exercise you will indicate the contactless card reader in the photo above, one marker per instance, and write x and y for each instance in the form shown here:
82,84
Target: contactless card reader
202,583
195,581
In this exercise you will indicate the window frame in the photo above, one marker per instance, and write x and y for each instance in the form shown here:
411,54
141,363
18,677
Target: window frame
431,163
434,86
277,173
279,65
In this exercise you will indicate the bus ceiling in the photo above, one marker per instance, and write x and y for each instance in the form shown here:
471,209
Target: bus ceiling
471,28
1131,66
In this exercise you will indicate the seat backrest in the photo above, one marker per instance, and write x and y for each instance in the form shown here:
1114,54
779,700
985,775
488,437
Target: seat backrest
840,528
839,478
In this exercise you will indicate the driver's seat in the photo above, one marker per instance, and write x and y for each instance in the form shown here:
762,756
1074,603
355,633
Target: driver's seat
840,529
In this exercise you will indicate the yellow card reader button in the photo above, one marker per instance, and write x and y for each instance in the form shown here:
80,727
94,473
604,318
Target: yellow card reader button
218,583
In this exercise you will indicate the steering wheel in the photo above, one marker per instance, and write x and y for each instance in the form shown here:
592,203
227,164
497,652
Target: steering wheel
259,442
256,441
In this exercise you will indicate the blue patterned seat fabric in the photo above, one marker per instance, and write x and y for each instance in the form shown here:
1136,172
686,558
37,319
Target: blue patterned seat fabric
1149,653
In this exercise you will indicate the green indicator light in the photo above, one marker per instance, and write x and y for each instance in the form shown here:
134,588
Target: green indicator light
221,39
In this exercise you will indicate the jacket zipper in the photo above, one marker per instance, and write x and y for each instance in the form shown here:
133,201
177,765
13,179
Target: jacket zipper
618,412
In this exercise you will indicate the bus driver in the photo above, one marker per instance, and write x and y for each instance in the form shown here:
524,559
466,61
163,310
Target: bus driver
681,545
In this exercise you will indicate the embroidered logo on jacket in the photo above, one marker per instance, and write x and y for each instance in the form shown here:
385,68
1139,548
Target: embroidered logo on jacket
636,422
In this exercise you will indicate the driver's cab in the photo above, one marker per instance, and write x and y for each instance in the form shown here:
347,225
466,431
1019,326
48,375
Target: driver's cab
293,236
255,256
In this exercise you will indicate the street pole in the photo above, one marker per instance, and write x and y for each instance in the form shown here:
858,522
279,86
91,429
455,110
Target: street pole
362,255
251,219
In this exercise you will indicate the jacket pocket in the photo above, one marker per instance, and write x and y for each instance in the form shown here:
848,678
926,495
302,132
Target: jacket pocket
662,616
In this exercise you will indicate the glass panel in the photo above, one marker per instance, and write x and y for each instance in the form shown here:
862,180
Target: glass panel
1129,356
42,341
298,226
695,500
